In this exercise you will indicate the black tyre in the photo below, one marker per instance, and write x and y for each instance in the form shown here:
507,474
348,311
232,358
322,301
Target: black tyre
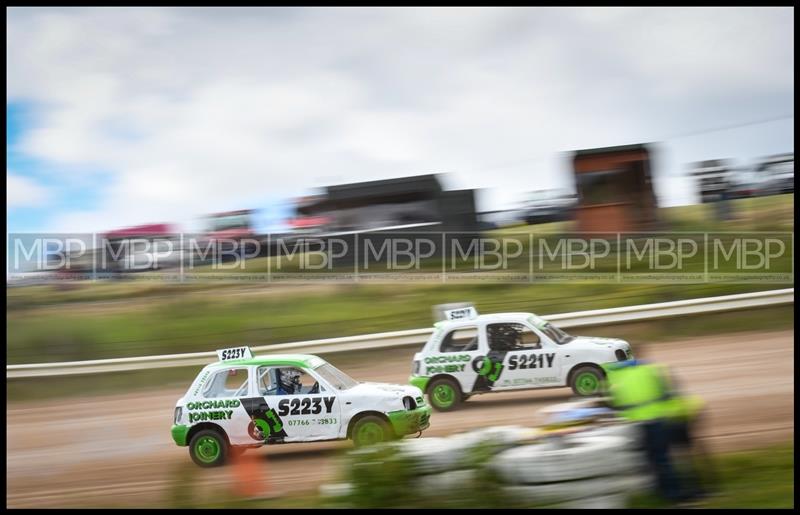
370,430
209,448
444,394
586,381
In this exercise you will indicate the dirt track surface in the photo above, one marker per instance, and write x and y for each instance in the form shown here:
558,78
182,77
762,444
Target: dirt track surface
117,450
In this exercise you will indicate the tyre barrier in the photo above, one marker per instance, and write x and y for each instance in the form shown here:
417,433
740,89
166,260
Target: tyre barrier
432,485
438,454
499,435
566,459
586,489
598,467
602,502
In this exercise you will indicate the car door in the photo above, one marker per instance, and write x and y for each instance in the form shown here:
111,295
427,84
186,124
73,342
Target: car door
457,354
306,409
530,360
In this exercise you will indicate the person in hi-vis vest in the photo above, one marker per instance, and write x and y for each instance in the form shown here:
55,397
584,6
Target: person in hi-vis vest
644,393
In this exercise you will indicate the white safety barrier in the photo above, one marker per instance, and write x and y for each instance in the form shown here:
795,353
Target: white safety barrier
567,459
597,467
412,336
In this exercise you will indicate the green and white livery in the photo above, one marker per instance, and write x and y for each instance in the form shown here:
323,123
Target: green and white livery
243,401
469,354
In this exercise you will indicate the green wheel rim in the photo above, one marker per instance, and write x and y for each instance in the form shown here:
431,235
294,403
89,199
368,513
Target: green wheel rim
369,433
444,395
587,383
207,449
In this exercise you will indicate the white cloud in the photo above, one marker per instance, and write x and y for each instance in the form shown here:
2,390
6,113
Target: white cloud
187,111
24,192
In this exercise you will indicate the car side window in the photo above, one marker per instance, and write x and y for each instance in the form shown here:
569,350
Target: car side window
286,381
231,382
528,337
460,340
512,336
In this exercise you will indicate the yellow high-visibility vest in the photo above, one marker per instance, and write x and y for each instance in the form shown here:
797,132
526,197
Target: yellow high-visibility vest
641,392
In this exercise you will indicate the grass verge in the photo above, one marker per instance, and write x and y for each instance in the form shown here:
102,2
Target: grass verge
761,478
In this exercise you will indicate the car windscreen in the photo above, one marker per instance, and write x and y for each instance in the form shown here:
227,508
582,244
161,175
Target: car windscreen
559,336
335,377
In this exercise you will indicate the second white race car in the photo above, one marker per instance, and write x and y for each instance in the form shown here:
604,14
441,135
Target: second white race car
470,354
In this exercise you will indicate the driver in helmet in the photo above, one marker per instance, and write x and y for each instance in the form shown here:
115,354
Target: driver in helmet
289,382
504,337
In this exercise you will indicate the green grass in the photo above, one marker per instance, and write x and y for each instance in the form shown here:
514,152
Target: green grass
773,213
756,479
761,478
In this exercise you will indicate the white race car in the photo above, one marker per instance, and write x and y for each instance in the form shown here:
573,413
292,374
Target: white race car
243,401
468,354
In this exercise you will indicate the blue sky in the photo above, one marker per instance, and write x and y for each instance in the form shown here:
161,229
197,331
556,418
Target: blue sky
119,117
63,194
66,195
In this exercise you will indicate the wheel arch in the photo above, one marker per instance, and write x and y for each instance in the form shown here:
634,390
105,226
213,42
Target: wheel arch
582,365
361,414
206,425
444,376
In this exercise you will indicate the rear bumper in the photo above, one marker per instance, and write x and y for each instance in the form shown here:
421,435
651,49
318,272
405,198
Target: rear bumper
408,422
420,382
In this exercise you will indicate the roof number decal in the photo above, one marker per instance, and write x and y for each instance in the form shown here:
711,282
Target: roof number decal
234,353
461,314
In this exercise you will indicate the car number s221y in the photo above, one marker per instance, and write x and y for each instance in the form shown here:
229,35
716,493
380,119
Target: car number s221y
543,360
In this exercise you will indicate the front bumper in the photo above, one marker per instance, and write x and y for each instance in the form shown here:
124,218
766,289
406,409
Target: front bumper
408,422
179,433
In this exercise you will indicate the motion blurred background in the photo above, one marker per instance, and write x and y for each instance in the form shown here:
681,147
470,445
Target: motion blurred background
262,127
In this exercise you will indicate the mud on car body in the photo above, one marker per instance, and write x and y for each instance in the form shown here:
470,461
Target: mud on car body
470,354
242,402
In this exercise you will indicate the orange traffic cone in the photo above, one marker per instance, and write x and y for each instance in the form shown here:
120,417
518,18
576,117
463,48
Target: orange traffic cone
250,476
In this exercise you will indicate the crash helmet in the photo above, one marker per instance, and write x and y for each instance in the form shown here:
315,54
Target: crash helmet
503,336
290,379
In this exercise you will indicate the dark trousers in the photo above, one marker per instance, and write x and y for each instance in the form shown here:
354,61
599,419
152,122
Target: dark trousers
694,480
657,440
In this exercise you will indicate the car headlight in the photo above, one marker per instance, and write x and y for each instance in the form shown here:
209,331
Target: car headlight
178,413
